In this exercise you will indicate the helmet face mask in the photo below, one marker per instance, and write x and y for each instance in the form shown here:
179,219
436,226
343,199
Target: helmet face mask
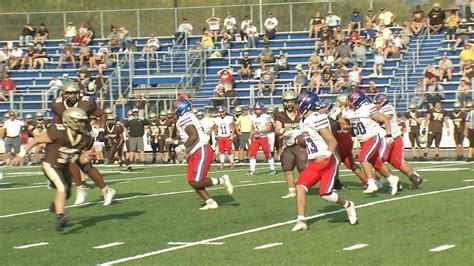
71,93
75,119
289,100
181,107
308,101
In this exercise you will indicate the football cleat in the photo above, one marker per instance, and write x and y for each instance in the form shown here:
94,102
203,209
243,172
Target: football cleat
371,188
393,180
81,194
273,172
210,206
416,181
250,173
228,185
108,196
61,221
351,213
300,226
289,195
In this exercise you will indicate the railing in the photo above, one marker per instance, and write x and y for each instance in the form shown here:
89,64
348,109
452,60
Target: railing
195,67
108,88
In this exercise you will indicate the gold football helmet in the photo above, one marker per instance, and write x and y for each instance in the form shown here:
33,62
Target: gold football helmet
289,99
70,92
75,118
341,100
152,116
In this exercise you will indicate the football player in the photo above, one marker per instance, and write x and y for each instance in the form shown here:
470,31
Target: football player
171,147
114,139
236,137
393,152
434,122
261,126
66,146
361,115
152,134
164,132
193,141
413,116
459,121
271,136
322,166
224,130
286,126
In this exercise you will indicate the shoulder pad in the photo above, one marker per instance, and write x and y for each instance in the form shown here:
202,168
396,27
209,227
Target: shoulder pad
60,127
58,100
86,98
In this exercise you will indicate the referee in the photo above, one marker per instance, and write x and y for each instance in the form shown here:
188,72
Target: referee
136,131
13,128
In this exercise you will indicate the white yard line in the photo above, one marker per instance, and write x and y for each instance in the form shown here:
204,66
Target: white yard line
113,244
468,180
187,243
18,188
31,245
442,248
356,246
268,246
246,181
164,182
6,183
258,229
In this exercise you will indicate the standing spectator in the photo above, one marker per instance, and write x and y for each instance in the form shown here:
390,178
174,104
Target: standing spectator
436,18
434,123
207,41
230,24
184,30
379,61
13,128
445,67
243,28
68,54
316,23
386,17
136,131
418,20
84,54
463,33
251,35
245,67
356,22
5,56
54,87
16,57
463,94
40,57
435,92
27,34
301,80
452,24
151,47
8,87
360,54
125,39
267,82
332,21
70,32
42,34
114,39
270,26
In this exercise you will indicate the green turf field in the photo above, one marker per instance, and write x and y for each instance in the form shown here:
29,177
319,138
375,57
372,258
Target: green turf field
156,217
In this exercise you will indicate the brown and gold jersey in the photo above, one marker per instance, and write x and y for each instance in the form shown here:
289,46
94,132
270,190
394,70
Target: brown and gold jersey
412,123
85,103
287,119
164,127
114,131
436,120
459,121
65,148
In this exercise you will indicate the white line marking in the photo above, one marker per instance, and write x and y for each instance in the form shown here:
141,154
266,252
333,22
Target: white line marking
432,169
246,181
356,246
40,183
143,196
442,248
123,182
258,229
468,180
17,188
7,183
164,182
31,245
268,246
187,243
113,244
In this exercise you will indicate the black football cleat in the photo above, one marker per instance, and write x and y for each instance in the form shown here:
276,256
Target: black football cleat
61,221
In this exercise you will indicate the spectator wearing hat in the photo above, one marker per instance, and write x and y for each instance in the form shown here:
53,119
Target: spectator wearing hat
316,23
445,67
230,24
66,79
418,20
70,32
359,53
8,87
355,24
386,17
463,34
136,131
452,24
54,87
13,128
436,18
184,30
332,21
245,67
27,34
270,26
42,34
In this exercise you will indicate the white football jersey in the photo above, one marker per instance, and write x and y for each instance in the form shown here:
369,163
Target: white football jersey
223,124
389,110
190,119
310,126
259,123
363,126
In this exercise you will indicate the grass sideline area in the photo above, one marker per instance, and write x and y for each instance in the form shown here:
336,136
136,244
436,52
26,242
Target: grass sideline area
157,212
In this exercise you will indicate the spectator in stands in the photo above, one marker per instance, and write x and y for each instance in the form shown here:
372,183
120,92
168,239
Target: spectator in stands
463,93
435,92
343,53
151,47
99,81
467,54
270,26
125,39
232,97
340,79
354,37
29,57
436,18
67,54
379,61
332,21
105,61
368,35
327,77
27,34
82,32
316,23
84,54
339,36
419,97
90,35
356,22
245,67
314,60
468,73
281,63
213,25
8,87
40,56
230,24
463,34
429,72
16,57
326,36
266,57
70,32
99,56
54,88
394,46
380,43
386,32
300,80
371,89
445,67
267,81
84,75
219,96
370,18
114,39
329,57
452,24
42,34
243,28
386,17
359,53
418,20
5,55
225,78
405,35
184,30
251,35
225,44
207,41
67,79
355,76
315,81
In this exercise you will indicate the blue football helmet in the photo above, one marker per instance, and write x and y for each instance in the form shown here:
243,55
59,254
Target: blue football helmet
381,99
258,105
325,103
221,109
356,98
182,106
308,101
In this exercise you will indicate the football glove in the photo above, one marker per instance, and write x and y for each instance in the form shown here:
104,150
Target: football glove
180,148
